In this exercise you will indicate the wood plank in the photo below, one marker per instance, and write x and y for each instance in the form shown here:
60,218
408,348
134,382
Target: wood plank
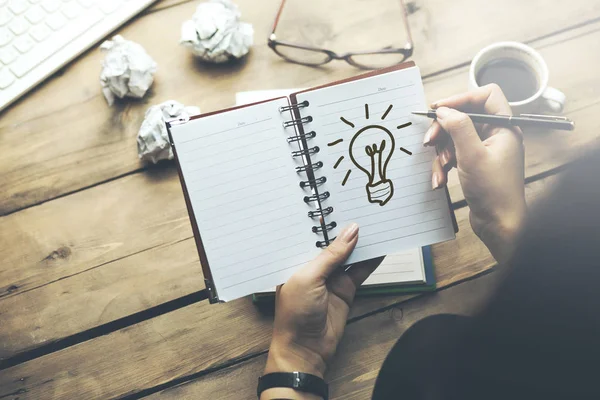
360,355
56,147
191,339
88,229
61,249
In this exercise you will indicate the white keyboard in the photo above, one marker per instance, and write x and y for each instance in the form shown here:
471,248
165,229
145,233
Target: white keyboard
37,37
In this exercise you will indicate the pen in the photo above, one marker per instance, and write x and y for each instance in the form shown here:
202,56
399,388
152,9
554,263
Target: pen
542,121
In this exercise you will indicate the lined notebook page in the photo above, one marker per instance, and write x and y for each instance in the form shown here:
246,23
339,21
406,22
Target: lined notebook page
415,215
406,266
243,187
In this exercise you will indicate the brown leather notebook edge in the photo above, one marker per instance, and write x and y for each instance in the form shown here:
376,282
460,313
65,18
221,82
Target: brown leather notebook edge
405,65
213,296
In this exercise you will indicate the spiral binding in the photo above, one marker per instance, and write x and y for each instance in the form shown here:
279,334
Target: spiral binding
298,138
326,227
313,182
310,152
298,106
311,167
321,212
315,197
299,121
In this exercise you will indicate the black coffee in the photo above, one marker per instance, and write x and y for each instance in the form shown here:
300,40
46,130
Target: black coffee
517,79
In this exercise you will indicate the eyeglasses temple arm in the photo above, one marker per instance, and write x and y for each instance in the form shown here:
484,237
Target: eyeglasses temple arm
277,17
404,17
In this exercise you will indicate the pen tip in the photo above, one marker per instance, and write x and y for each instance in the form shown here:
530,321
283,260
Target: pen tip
419,112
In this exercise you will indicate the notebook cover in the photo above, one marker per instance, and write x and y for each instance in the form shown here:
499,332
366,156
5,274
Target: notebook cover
429,285
208,279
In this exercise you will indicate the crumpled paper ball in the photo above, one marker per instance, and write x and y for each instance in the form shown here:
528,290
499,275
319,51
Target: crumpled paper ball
152,139
127,70
215,33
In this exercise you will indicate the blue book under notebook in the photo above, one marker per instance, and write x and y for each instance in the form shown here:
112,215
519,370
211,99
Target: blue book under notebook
406,272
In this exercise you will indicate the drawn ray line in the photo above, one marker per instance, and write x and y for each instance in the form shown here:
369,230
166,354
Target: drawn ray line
344,120
335,142
387,111
338,162
367,111
406,151
404,125
346,177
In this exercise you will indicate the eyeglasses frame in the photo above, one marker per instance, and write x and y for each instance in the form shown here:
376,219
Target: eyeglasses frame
407,50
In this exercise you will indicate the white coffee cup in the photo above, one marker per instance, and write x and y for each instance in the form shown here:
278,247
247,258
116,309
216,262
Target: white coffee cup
546,98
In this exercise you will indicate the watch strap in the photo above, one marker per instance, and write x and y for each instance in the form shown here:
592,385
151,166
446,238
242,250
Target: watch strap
295,380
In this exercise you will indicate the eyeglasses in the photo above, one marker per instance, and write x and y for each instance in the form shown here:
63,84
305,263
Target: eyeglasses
314,56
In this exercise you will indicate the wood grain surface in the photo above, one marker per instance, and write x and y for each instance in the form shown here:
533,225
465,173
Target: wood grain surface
98,267
51,148
199,338
83,248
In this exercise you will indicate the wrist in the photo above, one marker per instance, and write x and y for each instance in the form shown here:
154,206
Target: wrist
285,356
500,236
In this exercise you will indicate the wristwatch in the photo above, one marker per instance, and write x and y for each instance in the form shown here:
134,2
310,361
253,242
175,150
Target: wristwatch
295,380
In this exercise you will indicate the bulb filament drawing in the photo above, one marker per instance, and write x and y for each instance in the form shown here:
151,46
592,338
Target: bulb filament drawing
370,150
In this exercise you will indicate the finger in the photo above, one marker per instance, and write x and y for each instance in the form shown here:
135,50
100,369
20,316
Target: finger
358,273
462,131
438,176
487,99
434,134
335,254
447,155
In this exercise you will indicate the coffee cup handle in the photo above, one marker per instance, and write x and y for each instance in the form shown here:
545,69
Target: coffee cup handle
554,99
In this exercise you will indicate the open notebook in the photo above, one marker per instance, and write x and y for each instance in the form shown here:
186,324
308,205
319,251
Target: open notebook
269,184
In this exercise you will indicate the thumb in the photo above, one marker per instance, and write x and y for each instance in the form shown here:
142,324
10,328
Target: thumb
460,127
335,254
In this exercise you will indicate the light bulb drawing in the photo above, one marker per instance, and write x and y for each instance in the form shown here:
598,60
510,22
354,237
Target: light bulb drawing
370,150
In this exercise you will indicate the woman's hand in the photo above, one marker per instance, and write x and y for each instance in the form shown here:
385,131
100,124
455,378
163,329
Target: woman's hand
311,311
490,163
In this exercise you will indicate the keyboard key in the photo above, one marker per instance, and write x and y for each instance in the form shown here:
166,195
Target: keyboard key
18,25
72,10
18,6
5,36
51,5
24,43
6,78
56,21
40,32
35,14
8,54
28,61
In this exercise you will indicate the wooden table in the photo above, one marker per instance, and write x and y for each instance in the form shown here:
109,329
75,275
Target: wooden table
99,276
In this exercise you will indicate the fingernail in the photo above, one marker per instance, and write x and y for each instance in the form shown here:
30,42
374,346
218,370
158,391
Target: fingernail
434,105
349,233
427,137
435,182
444,158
